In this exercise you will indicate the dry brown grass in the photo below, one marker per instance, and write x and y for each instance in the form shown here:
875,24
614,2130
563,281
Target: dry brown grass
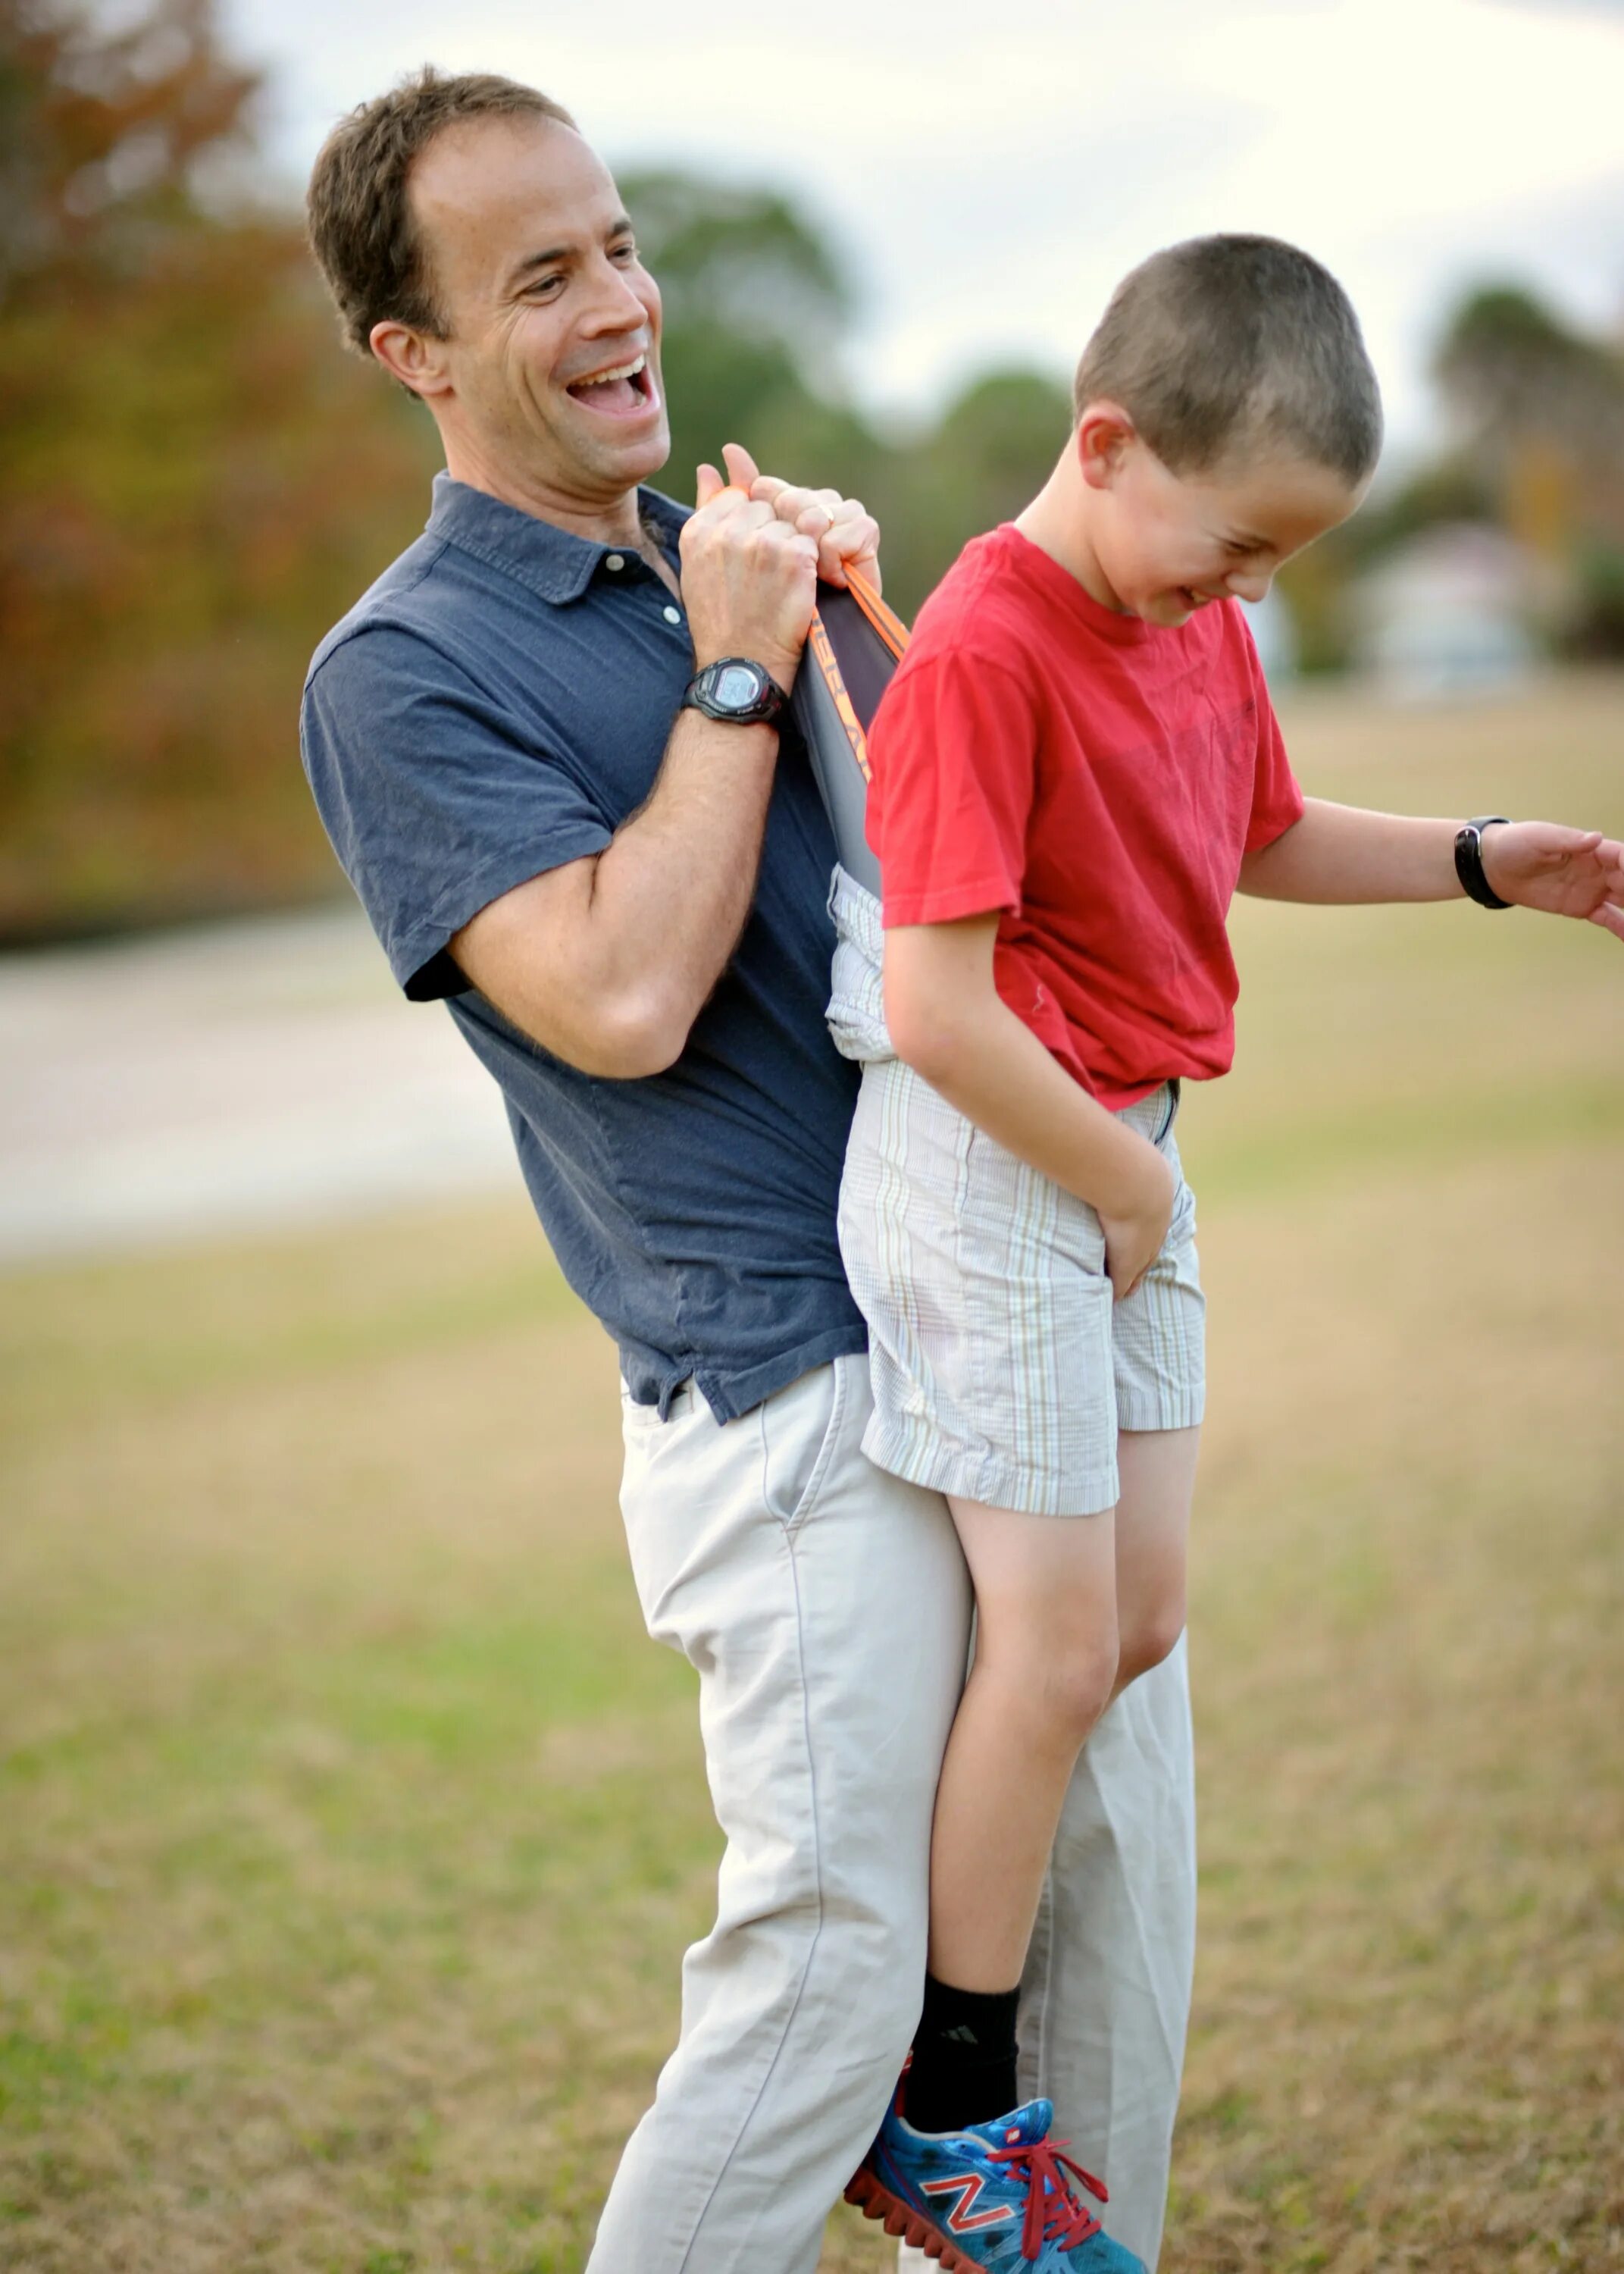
349,1827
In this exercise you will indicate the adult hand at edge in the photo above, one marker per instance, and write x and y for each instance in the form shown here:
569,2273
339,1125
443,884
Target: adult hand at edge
1561,872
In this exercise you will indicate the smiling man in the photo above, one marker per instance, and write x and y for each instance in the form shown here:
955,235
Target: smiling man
549,749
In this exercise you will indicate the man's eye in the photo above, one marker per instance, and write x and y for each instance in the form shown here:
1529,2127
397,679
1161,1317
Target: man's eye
626,250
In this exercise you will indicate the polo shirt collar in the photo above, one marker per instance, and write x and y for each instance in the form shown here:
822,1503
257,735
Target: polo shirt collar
553,563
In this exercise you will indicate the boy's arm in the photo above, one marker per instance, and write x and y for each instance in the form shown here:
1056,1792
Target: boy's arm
948,1022
1344,853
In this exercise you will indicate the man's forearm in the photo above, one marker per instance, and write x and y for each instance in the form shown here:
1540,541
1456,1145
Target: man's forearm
607,961
1344,853
671,893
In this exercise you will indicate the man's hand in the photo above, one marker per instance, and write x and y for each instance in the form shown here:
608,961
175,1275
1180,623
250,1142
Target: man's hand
749,577
1563,873
846,533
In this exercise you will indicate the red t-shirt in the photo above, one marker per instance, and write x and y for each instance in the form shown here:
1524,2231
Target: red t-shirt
1098,779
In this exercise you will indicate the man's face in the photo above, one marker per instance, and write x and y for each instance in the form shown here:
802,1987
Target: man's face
553,349
1169,544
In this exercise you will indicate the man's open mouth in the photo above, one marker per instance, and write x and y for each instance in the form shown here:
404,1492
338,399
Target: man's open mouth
621,392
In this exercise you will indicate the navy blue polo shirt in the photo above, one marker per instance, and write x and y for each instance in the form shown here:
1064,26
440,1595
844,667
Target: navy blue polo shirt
496,705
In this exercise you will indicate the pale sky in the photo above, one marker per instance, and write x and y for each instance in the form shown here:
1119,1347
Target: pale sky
989,171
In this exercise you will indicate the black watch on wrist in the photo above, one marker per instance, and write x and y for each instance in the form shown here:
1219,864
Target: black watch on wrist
1468,862
736,690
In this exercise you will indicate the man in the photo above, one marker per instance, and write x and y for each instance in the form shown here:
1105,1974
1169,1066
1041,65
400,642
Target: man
567,823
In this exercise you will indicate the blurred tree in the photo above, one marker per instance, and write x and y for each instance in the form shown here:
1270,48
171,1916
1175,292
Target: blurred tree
745,259
993,450
101,132
1510,368
755,308
193,483
1540,409
1537,450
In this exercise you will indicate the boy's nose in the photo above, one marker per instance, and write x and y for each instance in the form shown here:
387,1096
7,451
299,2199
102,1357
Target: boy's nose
1249,588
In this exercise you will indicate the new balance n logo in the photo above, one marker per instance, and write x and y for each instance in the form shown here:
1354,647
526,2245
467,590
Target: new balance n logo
964,2217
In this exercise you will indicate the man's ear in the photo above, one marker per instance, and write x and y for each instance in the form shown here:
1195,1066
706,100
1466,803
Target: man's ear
416,360
1104,434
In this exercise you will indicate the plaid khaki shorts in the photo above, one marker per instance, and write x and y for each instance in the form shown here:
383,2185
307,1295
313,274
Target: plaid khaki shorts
1002,1365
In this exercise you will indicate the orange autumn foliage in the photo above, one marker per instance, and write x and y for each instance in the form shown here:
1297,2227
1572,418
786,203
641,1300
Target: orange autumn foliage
194,483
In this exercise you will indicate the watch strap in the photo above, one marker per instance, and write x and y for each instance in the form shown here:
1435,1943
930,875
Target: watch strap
1469,861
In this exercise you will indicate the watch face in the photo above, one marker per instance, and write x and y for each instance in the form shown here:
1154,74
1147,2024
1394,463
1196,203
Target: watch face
737,686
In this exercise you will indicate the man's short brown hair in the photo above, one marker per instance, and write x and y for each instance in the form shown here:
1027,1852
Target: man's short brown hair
362,228
1231,345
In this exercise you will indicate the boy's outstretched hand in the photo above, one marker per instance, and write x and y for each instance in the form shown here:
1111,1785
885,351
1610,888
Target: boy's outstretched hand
1565,872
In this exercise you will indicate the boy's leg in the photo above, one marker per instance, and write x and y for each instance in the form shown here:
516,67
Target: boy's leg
826,1607
1105,1998
1045,1669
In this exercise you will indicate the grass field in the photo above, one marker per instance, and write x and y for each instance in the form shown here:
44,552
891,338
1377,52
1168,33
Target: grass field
351,1828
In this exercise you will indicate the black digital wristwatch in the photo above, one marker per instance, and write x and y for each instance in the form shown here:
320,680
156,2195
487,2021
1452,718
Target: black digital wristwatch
744,693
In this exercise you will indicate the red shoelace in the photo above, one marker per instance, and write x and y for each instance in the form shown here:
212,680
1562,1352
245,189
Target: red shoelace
1052,2212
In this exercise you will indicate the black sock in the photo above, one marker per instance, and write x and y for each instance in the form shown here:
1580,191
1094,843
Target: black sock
963,2058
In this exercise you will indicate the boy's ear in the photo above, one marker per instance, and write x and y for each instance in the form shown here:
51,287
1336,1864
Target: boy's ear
417,361
1102,440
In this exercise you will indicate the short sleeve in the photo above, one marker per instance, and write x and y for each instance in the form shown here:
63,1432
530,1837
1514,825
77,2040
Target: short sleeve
1276,796
435,799
953,751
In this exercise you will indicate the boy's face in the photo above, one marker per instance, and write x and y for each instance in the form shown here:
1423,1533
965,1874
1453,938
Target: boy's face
1167,544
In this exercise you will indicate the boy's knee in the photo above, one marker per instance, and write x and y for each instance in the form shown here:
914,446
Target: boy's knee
1077,1688
1150,1640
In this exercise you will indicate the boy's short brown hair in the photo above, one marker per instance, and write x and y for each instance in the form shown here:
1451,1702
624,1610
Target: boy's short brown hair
362,230
1227,344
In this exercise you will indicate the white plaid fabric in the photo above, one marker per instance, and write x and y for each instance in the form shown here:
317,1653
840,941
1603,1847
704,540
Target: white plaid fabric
1002,1365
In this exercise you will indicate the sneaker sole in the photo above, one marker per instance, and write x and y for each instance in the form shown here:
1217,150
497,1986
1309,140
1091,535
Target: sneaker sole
902,2220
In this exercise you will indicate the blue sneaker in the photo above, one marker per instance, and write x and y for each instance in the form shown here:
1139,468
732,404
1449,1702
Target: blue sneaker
996,2198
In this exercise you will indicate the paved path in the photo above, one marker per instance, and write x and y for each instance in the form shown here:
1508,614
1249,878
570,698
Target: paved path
245,1074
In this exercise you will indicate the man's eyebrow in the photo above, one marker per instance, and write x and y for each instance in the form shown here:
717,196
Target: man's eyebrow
554,253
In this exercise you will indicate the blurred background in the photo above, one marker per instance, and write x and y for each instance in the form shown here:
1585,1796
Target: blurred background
349,1826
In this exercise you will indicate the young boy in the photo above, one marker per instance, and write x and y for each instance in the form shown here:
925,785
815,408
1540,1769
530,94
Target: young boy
1074,769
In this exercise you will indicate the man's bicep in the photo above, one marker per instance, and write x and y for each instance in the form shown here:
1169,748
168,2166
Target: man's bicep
536,954
517,951
437,803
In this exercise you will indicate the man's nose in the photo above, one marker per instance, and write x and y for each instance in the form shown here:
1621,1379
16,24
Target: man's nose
616,307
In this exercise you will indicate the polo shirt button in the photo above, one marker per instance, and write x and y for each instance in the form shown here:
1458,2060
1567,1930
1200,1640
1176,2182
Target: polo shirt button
614,561
673,615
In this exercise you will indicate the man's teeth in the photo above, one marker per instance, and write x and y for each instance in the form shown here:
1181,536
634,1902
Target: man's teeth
620,371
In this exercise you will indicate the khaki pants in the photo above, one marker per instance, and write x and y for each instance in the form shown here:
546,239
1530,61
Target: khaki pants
826,1608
